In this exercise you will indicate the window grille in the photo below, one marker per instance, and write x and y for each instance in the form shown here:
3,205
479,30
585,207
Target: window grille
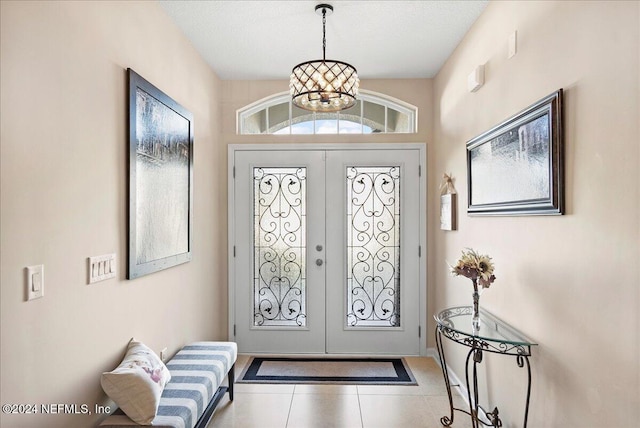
373,113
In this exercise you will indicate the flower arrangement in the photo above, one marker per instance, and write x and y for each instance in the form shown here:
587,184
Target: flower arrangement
477,267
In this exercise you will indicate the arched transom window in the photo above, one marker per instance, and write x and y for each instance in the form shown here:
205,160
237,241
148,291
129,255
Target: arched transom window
372,113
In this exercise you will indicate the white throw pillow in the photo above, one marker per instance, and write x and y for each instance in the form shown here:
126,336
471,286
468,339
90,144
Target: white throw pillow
137,383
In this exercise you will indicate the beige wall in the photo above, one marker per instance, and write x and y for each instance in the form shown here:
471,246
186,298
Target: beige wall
569,282
64,198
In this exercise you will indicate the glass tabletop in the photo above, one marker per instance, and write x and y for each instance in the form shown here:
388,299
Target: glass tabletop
459,319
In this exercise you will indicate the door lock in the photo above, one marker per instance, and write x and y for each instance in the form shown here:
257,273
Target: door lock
318,247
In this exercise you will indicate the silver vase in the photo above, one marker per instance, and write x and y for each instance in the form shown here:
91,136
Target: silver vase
476,305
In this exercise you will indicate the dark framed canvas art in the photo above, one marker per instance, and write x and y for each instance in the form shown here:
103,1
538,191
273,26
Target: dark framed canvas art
516,168
160,179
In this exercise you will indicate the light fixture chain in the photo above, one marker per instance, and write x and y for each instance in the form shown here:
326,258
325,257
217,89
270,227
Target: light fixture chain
324,33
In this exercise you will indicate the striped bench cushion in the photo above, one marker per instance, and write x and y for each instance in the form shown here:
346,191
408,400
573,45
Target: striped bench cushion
197,371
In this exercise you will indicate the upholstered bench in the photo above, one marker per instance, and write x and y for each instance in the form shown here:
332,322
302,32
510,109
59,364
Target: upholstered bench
194,390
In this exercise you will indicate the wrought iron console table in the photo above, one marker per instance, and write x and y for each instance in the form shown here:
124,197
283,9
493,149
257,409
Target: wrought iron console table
494,335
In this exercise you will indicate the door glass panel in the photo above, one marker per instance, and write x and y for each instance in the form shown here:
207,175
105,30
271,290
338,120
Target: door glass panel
373,247
279,217
326,123
397,121
350,120
374,116
256,123
301,121
278,117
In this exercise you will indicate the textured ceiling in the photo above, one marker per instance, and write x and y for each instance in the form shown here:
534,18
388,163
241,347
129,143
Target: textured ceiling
258,40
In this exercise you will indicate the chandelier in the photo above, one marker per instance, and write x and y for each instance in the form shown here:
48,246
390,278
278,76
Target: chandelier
324,85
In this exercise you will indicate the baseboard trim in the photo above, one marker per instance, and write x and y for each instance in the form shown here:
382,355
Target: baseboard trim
455,382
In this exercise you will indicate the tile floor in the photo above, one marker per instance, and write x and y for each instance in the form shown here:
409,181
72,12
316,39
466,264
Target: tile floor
349,406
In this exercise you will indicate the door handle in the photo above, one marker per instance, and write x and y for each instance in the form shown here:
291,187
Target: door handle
319,262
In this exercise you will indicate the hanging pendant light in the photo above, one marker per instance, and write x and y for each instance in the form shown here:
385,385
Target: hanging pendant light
324,85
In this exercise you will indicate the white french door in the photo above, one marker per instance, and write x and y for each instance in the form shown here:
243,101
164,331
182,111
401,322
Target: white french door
279,221
373,273
326,246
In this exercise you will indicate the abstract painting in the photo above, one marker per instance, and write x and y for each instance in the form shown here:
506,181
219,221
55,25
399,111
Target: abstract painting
160,179
516,168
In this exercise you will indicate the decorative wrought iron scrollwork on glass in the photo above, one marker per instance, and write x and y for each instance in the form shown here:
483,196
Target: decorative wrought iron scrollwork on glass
279,214
373,246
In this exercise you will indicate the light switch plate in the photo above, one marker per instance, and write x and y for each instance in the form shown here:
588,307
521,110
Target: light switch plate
35,282
102,267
